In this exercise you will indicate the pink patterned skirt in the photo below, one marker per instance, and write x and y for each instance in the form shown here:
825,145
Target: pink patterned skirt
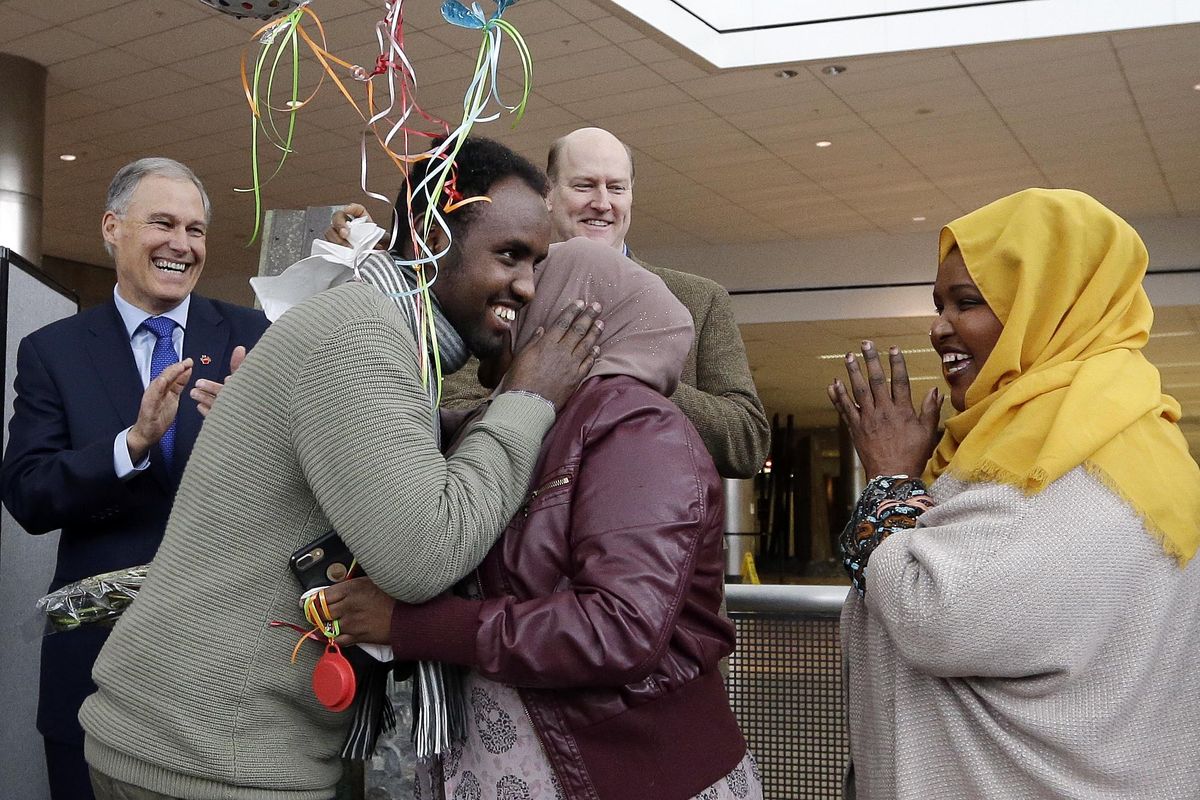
502,758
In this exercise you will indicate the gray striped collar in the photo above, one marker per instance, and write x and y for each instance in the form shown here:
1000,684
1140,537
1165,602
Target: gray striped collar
396,280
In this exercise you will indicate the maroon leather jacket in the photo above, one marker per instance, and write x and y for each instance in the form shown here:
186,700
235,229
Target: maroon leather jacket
601,602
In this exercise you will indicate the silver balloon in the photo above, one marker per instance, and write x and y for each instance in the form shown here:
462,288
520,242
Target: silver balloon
259,9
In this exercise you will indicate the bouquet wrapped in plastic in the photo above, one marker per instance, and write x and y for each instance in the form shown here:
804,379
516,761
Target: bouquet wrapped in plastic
99,599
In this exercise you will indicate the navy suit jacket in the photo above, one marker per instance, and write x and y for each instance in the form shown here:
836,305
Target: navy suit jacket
77,387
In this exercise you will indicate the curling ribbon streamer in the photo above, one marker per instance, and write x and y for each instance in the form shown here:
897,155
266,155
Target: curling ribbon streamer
284,35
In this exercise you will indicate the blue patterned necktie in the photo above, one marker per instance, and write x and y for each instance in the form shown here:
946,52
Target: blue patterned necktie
163,357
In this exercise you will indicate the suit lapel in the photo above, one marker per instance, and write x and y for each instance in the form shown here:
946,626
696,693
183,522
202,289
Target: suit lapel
206,339
111,356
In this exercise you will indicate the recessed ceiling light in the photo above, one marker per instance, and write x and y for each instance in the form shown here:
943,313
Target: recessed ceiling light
67,157
824,143
786,73
918,219
833,69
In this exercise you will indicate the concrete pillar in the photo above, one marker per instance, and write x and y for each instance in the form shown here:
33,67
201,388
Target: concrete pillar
287,236
22,133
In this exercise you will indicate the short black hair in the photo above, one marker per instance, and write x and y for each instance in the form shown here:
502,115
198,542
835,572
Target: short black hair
480,163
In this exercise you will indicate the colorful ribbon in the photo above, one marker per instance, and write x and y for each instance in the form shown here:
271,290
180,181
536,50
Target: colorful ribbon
394,124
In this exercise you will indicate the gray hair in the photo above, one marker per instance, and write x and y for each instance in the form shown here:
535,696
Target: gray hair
126,181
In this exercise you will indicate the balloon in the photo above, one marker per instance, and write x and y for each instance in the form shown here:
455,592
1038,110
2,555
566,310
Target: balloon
260,9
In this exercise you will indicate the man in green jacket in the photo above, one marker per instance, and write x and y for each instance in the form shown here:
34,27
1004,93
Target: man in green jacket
591,195
328,425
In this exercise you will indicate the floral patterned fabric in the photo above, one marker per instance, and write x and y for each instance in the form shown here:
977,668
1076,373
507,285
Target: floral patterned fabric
502,758
888,504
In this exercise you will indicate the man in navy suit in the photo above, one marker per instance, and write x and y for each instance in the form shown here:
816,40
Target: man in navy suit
101,429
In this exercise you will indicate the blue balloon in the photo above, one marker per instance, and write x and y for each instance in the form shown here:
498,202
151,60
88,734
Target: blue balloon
456,13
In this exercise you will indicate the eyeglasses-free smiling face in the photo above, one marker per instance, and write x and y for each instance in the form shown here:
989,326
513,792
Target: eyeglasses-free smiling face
592,189
487,277
158,243
966,328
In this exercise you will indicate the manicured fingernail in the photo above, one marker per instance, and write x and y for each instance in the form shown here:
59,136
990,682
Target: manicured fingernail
579,304
599,324
595,306
894,351
866,345
850,357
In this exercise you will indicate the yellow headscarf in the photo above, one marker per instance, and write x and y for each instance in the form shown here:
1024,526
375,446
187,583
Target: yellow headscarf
1066,383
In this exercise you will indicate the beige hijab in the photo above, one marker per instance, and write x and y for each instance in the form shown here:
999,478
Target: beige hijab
647,331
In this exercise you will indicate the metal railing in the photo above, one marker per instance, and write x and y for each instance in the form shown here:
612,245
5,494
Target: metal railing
785,684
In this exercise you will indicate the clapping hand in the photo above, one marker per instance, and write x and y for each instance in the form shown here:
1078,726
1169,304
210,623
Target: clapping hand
160,403
891,436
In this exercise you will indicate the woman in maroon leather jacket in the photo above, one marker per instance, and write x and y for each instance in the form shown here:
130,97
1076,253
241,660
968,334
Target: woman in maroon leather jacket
591,628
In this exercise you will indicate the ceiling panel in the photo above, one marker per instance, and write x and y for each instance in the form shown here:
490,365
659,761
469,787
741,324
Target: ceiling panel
52,45
16,24
133,19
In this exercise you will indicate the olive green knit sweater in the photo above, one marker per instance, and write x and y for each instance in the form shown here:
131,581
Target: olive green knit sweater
325,425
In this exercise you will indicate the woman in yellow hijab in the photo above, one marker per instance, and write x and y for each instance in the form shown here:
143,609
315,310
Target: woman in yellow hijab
1025,613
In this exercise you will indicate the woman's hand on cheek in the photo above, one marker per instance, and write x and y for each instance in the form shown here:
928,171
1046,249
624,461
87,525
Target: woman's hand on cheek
891,436
363,611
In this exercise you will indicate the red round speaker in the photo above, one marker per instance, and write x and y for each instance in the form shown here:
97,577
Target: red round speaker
333,680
